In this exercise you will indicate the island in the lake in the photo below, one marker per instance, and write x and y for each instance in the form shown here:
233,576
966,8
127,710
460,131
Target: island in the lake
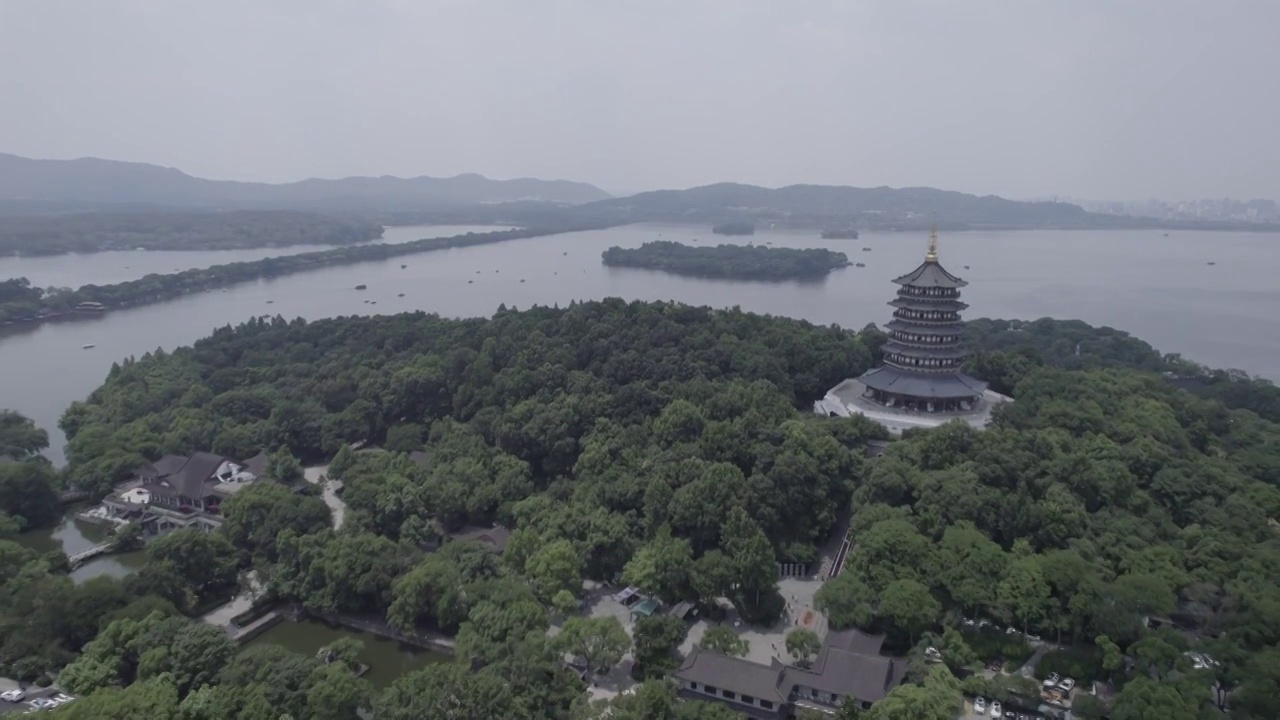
734,227
736,262
839,233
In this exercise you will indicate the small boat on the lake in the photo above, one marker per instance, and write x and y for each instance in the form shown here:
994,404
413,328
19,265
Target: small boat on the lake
1212,262
400,295
866,249
89,346
362,287
403,267
470,282
966,267
271,302
521,279
859,264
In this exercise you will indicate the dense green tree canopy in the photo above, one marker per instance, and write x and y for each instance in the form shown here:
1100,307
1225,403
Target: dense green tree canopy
739,262
672,446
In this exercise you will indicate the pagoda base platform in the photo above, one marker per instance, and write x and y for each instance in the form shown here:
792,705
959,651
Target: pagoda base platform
850,398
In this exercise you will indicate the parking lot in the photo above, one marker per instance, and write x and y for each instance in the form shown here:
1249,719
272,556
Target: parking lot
25,705
1006,714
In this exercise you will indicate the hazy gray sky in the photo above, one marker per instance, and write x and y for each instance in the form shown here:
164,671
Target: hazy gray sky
1093,98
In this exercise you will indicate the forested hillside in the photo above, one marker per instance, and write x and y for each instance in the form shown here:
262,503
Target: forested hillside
817,206
734,262
672,445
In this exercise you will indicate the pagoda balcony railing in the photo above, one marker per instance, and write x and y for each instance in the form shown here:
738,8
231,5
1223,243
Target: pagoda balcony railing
952,319
910,303
940,299
940,344
931,369
932,293
951,353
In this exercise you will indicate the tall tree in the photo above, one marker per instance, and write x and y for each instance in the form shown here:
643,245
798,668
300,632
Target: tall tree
751,553
909,605
803,644
599,641
445,690
725,641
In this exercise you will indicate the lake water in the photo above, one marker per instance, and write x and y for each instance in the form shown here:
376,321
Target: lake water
105,268
1156,287
72,536
387,659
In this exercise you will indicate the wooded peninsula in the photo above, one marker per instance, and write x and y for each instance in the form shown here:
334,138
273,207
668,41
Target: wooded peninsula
732,262
30,235
22,303
672,446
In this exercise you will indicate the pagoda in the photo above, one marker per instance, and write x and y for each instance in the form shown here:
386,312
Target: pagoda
920,383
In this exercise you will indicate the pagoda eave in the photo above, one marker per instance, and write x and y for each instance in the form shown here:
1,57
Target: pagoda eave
917,351
909,326
923,386
944,304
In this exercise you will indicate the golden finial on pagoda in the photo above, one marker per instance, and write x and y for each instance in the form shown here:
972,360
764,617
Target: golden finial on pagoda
932,255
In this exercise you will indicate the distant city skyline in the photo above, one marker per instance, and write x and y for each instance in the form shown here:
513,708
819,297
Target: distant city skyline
1092,98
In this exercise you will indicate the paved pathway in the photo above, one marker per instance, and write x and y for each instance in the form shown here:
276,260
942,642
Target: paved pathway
221,615
328,491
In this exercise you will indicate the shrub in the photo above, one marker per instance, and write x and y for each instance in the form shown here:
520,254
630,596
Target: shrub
1012,649
1084,665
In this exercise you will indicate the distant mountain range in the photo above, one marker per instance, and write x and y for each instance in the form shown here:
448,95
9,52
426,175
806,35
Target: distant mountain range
826,205
91,183
29,187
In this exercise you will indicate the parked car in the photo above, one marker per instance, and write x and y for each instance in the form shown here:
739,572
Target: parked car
1067,684
1052,680
61,699
995,708
980,705
13,696
42,703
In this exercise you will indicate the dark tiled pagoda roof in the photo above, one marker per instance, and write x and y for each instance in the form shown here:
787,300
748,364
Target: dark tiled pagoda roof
930,274
913,366
944,386
916,351
929,303
925,327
